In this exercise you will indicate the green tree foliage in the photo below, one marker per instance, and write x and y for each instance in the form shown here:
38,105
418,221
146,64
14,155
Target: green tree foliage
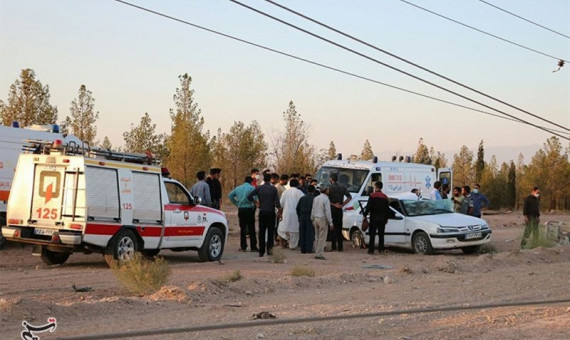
291,149
331,153
480,162
238,151
463,167
188,145
143,138
28,102
422,153
83,117
511,186
367,152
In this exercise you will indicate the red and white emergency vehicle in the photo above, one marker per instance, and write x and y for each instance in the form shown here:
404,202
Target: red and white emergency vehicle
69,198
13,140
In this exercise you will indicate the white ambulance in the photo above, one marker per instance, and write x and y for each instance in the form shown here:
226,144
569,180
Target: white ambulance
72,199
13,140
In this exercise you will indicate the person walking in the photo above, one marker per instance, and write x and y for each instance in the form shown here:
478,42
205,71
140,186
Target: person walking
201,189
337,194
531,212
215,187
322,220
289,225
246,213
306,229
268,201
378,207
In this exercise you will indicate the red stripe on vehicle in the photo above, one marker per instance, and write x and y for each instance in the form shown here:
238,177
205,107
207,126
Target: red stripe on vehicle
193,208
102,229
4,195
184,231
146,231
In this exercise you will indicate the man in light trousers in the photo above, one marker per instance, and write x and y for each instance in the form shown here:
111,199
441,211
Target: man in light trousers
322,220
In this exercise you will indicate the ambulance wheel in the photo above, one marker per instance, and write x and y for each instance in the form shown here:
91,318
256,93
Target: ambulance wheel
213,246
122,249
53,257
422,244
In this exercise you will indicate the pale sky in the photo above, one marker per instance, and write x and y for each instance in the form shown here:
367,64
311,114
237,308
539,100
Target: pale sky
131,60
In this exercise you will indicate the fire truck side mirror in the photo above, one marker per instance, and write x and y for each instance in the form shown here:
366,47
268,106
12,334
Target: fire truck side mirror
197,200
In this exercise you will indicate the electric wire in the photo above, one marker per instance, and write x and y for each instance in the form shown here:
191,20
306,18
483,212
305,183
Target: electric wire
410,62
522,18
484,32
399,70
322,65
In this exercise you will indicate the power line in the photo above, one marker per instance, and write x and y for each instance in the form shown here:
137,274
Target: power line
481,31
323,65
527,20
412,63
399,70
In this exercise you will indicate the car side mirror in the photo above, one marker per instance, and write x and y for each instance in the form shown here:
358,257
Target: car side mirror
197,200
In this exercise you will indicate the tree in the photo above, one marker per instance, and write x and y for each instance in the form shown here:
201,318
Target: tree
367,152
292,151
480,162
28,102
83,117
463,167
107,144
331,153
188,145
142,138
422,153
437,158
511,186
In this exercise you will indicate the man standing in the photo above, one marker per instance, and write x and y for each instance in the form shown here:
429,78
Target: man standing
467,202
435,194
457,199
322,219
378,207
289,226
246,213
337,193
479,201
215,187
255,176
201,189
268,202
306,229
281,185
531,212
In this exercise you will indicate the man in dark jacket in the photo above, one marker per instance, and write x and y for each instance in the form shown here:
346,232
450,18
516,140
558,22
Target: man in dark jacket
378,207
306,229
531,212
268,201
215,187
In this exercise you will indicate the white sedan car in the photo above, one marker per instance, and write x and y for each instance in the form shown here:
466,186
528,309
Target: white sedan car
422,226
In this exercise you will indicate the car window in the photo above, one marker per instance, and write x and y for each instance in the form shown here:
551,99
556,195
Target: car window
427,207
176,195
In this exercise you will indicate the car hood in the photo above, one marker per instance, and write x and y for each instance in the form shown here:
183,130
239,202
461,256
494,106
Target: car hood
449,220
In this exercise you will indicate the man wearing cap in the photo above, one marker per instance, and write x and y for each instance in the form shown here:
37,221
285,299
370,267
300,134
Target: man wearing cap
215,187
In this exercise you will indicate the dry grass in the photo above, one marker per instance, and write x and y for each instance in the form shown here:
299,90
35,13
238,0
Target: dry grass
142,276
277,255
488,248
233,277
302,271
540,240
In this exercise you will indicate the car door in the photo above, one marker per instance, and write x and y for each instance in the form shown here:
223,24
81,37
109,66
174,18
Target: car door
395,232
185,223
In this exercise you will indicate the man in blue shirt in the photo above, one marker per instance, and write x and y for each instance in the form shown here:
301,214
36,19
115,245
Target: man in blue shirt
479,201
246,213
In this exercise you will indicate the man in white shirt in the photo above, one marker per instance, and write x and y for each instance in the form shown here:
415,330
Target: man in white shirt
322,219
435,194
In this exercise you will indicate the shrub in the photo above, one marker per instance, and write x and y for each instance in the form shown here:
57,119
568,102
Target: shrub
277,256
142,276
302,271
540,240
487,248
233,277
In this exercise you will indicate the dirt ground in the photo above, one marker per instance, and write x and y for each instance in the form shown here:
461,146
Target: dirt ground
397,295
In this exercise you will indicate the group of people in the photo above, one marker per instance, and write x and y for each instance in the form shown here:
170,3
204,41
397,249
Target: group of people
293,212
209,189
465,200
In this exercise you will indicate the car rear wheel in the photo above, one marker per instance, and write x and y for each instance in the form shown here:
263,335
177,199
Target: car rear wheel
357,239
53,257
471,249
213,246
122,248
422,244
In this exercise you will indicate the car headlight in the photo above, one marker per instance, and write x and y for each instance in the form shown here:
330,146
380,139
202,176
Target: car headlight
443,230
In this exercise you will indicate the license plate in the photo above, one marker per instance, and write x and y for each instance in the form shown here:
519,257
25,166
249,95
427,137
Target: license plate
473,235
47,232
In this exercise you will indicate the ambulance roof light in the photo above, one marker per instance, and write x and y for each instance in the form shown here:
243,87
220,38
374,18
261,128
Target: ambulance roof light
16,124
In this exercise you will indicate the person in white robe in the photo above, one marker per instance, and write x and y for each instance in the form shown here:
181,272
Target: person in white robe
289,224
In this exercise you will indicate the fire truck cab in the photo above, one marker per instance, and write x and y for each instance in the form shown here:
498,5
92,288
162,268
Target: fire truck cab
68,198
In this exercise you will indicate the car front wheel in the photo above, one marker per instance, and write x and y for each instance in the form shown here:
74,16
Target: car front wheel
422,244
213,246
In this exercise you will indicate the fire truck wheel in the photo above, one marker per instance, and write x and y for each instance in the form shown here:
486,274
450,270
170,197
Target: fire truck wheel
52,257
213,246
122,248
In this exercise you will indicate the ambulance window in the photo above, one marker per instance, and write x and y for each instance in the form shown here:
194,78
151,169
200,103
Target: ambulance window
370,184
176,194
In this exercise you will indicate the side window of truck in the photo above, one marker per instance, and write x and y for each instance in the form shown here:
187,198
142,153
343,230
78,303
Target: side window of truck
176,194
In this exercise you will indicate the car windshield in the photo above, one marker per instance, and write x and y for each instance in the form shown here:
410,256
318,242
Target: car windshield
352,179
427,207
